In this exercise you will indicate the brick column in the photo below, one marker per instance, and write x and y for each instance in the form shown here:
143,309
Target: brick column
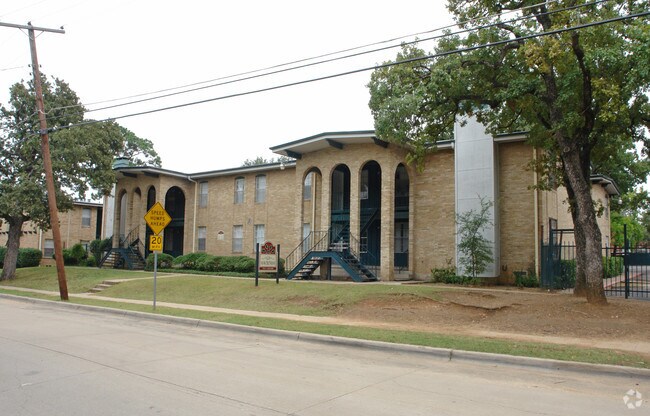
326,198
387,255
354,202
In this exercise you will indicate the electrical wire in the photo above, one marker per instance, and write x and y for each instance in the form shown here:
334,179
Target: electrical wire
338,58
302,60
356,71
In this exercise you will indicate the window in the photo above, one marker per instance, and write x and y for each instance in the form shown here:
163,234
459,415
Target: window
237,238
239,190
48,249
401,237
306,193
259,235
203,234
260,189
203,194
363,191
85,217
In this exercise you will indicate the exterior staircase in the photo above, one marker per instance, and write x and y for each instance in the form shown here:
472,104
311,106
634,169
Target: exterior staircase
128,255
321,246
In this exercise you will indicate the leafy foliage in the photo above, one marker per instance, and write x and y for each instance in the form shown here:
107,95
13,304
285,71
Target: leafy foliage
582,95
82,156
475,251
75,255
27,257
635,230
260,160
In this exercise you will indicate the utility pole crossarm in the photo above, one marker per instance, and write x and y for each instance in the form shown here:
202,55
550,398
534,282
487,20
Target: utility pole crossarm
30,27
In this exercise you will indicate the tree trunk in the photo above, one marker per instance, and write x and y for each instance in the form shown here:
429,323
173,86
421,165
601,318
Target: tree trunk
585,220
13,244
579,237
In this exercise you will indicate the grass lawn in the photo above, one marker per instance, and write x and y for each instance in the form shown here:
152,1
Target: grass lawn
303,298
79,279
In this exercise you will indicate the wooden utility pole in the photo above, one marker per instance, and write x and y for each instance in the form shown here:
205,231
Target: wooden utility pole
47,159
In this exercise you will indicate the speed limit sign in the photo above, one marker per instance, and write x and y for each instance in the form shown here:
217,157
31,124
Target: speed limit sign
155,243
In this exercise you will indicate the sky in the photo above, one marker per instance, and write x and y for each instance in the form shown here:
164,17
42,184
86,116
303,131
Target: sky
121,48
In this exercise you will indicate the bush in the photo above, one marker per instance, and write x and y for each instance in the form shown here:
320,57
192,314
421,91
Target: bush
524,279
208,263
567,278
448,275
190,260
76,255
239,264
99,247
165,261
29,257
3,250
612,266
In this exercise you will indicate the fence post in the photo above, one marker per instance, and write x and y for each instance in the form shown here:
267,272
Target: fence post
626,245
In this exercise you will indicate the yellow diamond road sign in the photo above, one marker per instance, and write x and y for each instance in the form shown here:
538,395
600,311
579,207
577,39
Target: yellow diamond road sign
157,218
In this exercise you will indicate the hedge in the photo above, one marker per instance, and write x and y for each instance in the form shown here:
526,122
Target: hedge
27,257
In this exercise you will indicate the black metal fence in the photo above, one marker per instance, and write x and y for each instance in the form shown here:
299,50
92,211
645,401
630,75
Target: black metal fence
626,271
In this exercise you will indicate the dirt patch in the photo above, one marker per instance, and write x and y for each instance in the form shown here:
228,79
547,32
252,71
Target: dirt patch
514,314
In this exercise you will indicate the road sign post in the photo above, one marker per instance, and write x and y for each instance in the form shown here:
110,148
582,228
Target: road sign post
157,219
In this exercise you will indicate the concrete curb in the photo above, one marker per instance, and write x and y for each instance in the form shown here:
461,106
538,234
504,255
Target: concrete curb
445,354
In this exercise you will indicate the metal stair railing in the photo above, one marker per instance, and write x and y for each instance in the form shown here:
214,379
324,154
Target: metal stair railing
315,241
354,249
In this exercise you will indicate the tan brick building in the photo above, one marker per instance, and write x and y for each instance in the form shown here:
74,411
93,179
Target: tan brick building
80,225
351,189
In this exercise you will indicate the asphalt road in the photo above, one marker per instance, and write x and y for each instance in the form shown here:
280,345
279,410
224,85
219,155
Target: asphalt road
55,361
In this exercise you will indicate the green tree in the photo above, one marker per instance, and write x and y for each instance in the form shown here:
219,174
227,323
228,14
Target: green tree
139,151
475,251
578,93
81,158
635,230
261,160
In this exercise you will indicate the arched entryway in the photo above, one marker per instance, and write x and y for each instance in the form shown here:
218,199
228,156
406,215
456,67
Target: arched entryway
122,216
311,206
151,199
340,204
401,242
370,213
175,207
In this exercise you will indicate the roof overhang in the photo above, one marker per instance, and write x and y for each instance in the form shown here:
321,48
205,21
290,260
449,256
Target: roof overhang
243,170
134,171
337,140
606,182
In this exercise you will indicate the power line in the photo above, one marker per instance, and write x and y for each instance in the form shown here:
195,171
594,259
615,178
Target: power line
338,58
305,60
356,71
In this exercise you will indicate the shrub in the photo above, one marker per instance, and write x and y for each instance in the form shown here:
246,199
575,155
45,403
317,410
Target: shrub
76,255
29,257
208,263
612,266
448,275
524,279
190,260
165,261
3,250
567,277
99,247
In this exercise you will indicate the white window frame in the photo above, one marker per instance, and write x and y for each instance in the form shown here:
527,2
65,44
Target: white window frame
48,248
237,238
240,189
86,216
202,238
259,235
260,189
203,194
306,196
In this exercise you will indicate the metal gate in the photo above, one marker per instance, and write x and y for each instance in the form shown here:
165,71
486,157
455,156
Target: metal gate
626,271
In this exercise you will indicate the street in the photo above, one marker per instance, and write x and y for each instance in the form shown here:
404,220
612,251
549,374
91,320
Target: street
59,361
